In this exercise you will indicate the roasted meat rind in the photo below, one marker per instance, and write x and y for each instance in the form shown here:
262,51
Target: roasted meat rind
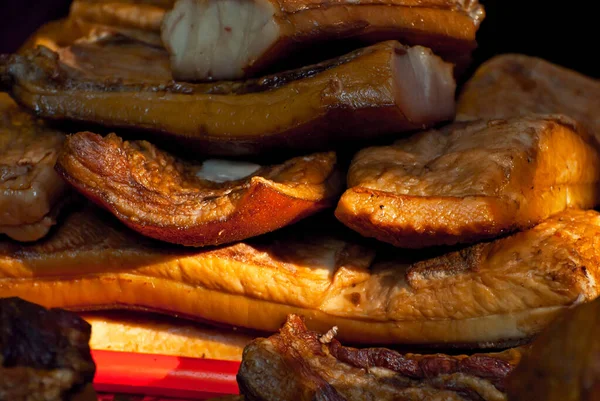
30,190
233,39
303,365
379,90
471,181
168,199
563,364
488,295
513,85
44,354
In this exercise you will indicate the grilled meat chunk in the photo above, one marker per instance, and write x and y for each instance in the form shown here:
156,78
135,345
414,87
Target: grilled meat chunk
564,361
513,85
31,193
232,39
383,89
207,203
489,295
44,354
471,181
297,364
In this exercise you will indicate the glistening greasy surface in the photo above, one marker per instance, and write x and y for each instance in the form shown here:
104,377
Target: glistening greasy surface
379,90
232,39
487,295
564,361
30,190
304,365
512,85
470,181
44,354
182,202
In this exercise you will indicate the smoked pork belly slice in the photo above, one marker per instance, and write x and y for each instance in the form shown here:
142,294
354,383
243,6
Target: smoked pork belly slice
44,354
233,39
383,89
298,364
563,362
489,295
513,85
471,181
209,202
31,193
147,333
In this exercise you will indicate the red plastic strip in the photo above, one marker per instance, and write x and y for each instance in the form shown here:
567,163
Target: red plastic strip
164,376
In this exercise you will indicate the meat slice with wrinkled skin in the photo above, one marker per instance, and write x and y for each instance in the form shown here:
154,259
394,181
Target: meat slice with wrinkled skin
297,364
233,39
383,89
197,204
471,181
44,354
489,295
31,193
564,362
513,85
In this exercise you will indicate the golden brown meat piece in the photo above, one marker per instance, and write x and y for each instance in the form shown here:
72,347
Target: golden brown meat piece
471,181
229,39
564,362
31,193
489,295
379,90
153,334
297,364
44,354
203,203
514,85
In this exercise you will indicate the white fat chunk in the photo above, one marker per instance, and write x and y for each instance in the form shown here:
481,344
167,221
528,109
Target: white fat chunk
217,170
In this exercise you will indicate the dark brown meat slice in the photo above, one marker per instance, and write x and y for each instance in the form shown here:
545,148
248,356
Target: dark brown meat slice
383,89
298,364
44,354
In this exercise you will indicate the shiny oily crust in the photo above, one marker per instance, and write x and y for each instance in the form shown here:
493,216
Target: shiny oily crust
31,193
383,89
152,334
233,39
512,85
168,199
488,295
563,363
471,181
303,365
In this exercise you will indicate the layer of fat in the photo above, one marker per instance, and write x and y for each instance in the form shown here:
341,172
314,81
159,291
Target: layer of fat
217,39
425,85
217,170
165,337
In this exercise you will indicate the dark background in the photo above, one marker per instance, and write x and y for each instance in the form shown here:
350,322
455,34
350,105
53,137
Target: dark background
566,33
